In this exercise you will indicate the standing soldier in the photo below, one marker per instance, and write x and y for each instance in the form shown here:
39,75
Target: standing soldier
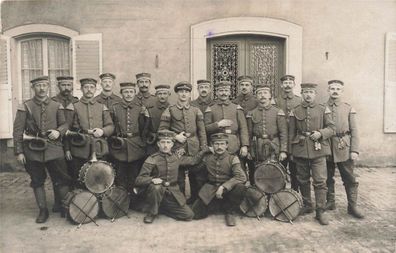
38,129
310,128
66,99
127,146
286,101
188,124
145,97
205,95
93,120
229,118
245,97
225,184
344,147
159,175
267,130
107,97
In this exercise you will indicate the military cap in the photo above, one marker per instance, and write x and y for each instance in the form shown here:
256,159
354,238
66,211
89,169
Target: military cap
165,134
287,77
88,81
107,75
203,81
39,79
335,81
184,85
143,75
223,84
161,87
127,85
245,79
219,137
64,78
263,87
308,85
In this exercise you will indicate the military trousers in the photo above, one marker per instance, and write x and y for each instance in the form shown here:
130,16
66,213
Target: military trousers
289,164
346,171
57,169
160,200
127,172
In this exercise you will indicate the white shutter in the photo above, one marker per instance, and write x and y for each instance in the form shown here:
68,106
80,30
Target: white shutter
87,59
390,84
5,89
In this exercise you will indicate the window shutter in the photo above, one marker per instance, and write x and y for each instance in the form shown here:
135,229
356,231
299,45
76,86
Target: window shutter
87,59
390,84
5,89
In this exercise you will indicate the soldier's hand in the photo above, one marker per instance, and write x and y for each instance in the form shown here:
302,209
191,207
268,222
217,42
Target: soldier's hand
21,159
68,155
282,156
354,156
224,123
97,132
219,192
181,137
315,136
243,152
156,181
53,134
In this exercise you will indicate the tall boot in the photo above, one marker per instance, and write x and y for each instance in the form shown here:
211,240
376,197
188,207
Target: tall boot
321,216
62,191
352,193
307,200
330,204
57,201
41,200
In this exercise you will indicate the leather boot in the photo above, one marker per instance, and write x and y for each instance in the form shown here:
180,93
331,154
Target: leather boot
41,200
230,219
307,200
352,193
330,204
149,218
322,217
320,197
62,191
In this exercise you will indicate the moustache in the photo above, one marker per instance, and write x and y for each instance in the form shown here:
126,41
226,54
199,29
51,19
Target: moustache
335,93
219,149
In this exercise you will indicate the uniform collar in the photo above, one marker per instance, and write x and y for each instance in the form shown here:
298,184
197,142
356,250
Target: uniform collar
126,104
162,105
261,107
143,95
180,106
102,95
69,98
332,102
204,101
247,97
287,95
220,102
39,102
86,101
305,104
220,157
165,154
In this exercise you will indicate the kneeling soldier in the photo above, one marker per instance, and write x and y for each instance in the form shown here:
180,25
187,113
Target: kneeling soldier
159,175
344,147
225,184
43,122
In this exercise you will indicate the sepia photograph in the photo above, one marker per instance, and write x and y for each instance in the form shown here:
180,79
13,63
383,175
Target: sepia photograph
197,126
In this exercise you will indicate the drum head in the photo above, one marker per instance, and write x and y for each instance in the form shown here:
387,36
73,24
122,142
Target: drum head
115,202
83,207
98,177
270,177
254,204
288,200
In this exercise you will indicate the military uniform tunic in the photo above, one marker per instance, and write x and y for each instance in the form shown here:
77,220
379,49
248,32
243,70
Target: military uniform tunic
109,101
202,103
146,99
247,102
67,103
155,111
287,101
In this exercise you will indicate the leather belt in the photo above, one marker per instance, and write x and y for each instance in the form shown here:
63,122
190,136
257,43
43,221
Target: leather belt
267,136
340,135
166,184
128,135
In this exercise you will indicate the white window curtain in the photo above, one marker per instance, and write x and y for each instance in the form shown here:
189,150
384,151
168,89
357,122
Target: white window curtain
58,61
31,64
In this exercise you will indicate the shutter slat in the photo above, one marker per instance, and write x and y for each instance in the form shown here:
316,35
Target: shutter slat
390,84
5,89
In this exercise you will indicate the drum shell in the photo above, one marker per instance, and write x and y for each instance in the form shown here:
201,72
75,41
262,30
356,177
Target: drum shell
270,177
97,176
115,202
80,203
254,203
289,200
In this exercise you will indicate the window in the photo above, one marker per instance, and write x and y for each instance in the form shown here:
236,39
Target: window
43,56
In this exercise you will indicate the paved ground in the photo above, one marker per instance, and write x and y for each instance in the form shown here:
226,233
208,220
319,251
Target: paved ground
377,233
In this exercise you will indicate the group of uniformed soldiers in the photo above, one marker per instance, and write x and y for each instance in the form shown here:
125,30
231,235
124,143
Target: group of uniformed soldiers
217,143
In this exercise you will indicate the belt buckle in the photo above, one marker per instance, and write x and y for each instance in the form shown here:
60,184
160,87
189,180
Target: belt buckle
265,136
166,184
228,131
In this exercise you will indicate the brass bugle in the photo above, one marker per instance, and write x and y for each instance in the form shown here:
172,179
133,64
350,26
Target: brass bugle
117,142
35,143
77,139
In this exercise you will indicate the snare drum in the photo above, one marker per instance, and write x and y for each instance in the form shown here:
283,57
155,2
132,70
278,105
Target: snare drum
97,176
270,177
254,203
285,205
115,202
82,206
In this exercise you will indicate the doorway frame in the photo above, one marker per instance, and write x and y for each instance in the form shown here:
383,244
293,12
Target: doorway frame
199,33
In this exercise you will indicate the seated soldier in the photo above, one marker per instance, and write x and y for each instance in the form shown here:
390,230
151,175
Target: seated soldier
159,175
225,184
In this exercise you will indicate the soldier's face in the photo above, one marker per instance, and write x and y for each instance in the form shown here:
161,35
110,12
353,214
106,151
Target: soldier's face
165,145
65,88
245,87
184,95
336,90
128,94
163,95
107,84
41,89
308,95
144,84
204,89
88,90
223,93
220,147
264,96
288,85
